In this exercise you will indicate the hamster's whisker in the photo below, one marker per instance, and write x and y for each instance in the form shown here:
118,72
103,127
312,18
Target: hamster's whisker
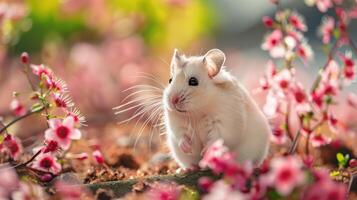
137,113
149,92
142,86
141,130
152,78
134,101
156,120
153,119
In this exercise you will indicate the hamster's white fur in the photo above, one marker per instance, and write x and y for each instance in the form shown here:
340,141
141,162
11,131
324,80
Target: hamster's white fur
218,107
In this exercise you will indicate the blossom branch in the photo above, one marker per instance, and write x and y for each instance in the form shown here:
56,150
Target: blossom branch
28,161
29,113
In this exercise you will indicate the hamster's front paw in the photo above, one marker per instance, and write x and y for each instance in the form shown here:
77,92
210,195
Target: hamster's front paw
193,168
185,144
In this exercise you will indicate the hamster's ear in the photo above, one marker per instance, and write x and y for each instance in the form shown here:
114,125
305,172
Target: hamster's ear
175,60
214,60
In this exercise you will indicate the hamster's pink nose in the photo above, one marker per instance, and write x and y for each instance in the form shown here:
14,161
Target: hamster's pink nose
175,99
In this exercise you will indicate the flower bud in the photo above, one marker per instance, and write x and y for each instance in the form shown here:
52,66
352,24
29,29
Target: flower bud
25,58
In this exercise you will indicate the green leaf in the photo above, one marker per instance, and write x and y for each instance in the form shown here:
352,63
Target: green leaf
334,173
37,107
347,157
340,157
336,33
274,195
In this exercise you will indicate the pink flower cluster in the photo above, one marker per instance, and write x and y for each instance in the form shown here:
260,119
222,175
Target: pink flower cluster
12,188
286,39
286,175
50,97
287,99
12,146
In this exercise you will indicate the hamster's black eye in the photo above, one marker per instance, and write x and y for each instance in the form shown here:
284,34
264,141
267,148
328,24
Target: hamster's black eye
193,81
170,80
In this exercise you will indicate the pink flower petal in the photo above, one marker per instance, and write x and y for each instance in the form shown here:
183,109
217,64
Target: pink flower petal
75,134
49,134
68,122
352,100
54,123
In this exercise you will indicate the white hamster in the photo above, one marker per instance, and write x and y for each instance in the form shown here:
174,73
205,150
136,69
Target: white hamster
202,103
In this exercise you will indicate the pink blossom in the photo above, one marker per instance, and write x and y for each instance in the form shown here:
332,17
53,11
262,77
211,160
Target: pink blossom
352,100
9,181
270,72
296,35
273,44
331,71
223,191
268,21
324,5
326,29
50,146
353,13
164,191
278,136
304,51
299,93
48,163
58,85
68,191
318,98
205,183
98,157
342,17
62,132
41,69
305,131
271,107
77,115
349,67
25,58
218,158
17,107
297,21
301,99
283,79
325,188
319,140
28,191
352,163
62,100
286,173
13,146
308,160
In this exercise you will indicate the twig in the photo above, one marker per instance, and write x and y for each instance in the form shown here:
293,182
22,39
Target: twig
29,161
307,144
330,56
295,143
352,44
29,79
29,113
287,122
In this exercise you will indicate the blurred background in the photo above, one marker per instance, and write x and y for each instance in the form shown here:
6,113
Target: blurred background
99,46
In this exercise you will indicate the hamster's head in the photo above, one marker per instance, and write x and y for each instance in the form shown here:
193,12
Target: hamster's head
191,87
